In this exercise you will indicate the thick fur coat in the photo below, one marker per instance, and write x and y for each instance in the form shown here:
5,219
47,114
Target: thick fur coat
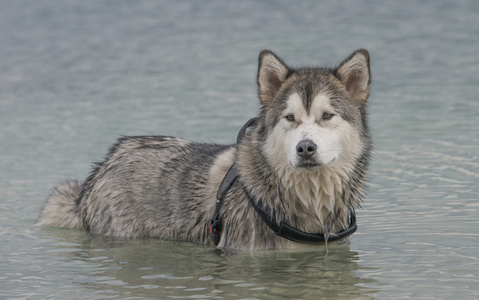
306,158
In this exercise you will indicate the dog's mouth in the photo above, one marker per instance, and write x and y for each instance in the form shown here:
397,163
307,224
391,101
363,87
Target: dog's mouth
310,165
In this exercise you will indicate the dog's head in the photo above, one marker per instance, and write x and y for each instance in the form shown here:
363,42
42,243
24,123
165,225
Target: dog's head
314,117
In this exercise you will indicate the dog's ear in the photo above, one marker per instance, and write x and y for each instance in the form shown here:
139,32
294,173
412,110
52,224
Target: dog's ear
354,73
272,72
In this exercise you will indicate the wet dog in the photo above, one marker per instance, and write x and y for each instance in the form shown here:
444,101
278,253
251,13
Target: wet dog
302,164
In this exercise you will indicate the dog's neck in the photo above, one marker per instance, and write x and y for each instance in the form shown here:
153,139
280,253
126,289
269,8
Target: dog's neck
320,193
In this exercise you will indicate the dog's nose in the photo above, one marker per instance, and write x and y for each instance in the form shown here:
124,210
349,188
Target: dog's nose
306,148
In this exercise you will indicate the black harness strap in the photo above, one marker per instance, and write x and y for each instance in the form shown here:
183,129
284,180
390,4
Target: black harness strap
215,224
228,180
283,230
296,235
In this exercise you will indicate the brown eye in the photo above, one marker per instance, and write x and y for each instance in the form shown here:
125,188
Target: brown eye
327,116
290,117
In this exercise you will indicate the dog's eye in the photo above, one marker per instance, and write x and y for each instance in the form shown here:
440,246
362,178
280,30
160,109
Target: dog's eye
327,116
290,117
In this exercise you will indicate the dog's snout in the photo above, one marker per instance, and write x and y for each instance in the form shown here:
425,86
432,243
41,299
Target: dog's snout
306,148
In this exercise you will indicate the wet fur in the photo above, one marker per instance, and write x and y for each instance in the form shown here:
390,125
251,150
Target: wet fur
165,187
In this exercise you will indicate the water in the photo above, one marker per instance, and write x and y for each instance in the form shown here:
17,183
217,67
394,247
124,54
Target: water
74,75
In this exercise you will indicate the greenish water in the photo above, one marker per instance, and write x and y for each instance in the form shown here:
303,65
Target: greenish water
75,75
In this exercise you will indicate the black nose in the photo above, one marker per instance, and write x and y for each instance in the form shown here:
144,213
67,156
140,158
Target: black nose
306,148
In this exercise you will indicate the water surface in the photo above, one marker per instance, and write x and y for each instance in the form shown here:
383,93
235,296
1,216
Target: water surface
75,75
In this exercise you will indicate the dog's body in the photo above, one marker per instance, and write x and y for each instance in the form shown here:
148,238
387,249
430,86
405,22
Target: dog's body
305,158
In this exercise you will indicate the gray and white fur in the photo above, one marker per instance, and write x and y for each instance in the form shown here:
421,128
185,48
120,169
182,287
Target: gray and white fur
306,158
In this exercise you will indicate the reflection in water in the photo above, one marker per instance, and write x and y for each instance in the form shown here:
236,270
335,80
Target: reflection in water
159,269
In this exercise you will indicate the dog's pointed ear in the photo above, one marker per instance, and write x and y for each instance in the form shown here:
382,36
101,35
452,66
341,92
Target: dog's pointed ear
355,74
272,72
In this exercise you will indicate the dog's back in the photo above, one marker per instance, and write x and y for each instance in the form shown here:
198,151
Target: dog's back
147,186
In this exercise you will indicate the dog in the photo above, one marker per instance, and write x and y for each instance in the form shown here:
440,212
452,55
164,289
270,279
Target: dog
296,175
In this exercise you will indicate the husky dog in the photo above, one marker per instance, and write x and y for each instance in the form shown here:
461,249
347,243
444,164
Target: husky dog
302,164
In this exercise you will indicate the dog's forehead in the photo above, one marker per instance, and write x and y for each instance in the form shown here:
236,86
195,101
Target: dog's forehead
322,102
312,86
319,103
319,90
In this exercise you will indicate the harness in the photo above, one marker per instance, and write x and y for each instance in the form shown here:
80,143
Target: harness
283,230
